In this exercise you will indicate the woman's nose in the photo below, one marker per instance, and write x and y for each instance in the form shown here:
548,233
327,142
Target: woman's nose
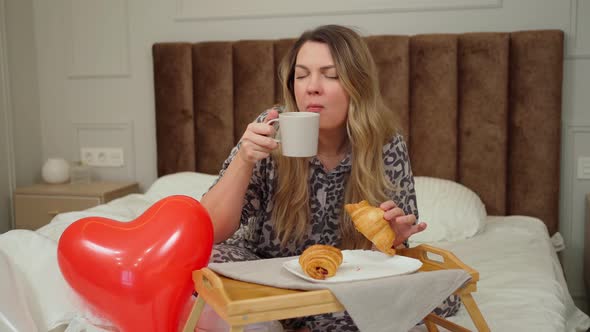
314,85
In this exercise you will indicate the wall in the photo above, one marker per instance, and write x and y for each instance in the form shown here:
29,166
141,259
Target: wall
6,158
575,143
24,91
95,70
20,131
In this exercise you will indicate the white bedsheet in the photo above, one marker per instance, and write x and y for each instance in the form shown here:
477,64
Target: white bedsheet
521,285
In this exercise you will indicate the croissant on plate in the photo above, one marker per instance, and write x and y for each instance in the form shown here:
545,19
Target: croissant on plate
320,261
369,221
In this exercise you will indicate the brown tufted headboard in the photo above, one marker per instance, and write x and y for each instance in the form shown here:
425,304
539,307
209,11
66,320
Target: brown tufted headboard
482,109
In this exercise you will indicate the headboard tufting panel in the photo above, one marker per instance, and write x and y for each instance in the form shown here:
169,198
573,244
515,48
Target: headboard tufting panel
482,109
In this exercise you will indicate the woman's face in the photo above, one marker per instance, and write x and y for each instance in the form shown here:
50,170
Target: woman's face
317,86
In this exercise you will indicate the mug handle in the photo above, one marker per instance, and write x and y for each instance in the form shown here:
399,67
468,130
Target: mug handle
270,123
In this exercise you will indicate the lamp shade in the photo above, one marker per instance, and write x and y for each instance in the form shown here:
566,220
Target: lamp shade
56,170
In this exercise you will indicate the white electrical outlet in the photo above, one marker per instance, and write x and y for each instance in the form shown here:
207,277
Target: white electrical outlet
584,168
102,157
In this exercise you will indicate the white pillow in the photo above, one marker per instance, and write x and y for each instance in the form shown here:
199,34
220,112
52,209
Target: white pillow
452,211
184,183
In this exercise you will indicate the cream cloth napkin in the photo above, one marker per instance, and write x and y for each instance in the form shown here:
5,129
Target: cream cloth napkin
386,304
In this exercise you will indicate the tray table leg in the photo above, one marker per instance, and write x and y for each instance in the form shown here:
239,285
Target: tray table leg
473,310
447,324
430,326
193,317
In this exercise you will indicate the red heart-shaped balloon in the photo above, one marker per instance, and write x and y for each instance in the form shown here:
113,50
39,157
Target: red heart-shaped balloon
138,273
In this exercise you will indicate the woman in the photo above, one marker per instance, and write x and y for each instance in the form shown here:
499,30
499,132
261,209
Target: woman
258,206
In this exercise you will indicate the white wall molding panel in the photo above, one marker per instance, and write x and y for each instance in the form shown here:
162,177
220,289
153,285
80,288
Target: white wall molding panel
7,177
572,225
108,135
222,9
97,38
580,29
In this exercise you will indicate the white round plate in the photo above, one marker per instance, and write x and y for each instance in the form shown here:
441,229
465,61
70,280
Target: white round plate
361,265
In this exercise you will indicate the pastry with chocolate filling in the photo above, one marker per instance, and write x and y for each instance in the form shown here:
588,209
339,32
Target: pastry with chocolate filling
320,261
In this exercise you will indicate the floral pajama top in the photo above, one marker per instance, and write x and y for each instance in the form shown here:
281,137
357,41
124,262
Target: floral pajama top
256,239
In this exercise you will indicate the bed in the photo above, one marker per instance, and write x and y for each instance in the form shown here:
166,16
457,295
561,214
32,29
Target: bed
481,113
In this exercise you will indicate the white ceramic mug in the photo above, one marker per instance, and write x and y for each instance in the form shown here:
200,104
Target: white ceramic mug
298,133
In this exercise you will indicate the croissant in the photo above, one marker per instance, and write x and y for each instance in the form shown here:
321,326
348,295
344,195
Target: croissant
369,221
320,261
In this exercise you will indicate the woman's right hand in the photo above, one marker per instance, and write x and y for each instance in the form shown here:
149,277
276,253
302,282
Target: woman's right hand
257,142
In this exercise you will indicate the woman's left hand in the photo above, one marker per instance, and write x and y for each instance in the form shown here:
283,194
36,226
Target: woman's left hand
403,225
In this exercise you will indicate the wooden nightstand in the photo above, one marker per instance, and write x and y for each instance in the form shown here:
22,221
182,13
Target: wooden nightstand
36,205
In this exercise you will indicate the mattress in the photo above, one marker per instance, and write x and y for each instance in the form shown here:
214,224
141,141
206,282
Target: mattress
521,286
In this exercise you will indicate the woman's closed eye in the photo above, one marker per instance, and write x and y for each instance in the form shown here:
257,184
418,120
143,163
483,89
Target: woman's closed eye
330,73
304,75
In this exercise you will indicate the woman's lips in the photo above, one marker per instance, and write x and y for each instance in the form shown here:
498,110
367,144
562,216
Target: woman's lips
314,108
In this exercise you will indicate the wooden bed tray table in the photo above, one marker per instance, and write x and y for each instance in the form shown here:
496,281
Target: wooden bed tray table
241,303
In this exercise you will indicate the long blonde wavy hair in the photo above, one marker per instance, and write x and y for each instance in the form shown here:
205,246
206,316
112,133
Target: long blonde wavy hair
369,126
